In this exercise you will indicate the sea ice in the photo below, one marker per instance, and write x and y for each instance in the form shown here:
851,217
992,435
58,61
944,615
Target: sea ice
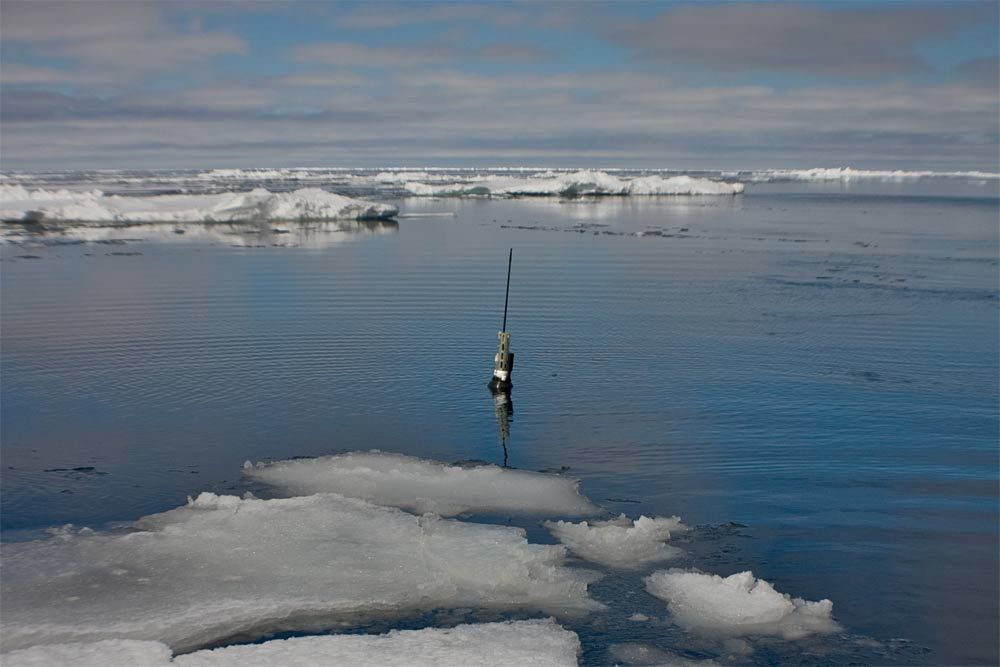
223,567
738,605
568,184
540,643
20,204
420,485
620,542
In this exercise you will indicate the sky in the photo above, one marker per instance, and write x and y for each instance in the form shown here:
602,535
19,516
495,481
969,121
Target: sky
687,85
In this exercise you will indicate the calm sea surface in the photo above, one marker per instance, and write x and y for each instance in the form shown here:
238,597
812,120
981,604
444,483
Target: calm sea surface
816,363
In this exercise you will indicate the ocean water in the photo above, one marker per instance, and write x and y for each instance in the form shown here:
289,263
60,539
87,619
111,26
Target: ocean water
807,372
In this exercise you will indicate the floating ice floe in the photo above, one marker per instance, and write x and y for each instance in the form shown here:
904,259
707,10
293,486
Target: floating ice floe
223,567
850,174
738,605
541,643
620,542
580,183
420,485
308,204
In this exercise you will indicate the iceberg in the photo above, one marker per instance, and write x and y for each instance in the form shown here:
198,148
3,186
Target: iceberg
738,605
541,643
620,542
222,568
307,204
574,184
420,485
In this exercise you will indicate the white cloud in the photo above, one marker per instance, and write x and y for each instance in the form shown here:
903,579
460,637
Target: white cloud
858,42
110,41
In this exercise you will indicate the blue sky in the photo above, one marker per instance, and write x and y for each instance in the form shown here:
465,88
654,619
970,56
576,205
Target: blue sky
668,84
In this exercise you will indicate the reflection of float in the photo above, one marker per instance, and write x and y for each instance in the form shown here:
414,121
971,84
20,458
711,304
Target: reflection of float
503,406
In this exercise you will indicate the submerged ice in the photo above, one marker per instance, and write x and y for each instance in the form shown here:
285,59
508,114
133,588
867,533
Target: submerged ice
18,203
620,542
542,643
223,567
421,486
738,605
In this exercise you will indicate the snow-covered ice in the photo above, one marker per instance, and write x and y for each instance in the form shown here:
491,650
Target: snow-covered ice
223,567
566,184
738,605
620,542
540,643
18,203
421,485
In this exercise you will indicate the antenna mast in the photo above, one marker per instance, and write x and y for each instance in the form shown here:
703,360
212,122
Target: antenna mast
506,296
503,360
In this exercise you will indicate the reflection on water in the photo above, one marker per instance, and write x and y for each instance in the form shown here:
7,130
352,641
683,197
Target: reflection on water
503,407
313,235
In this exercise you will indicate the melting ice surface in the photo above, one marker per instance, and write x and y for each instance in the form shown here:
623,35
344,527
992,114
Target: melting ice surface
422,486
541,643
18,203
573,184
620,542
222,567
738,605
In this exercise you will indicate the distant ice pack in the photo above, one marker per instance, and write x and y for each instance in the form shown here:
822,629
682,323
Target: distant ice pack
580,183
419,485
18,203
223,567
851,174
620,542
541,643
738,605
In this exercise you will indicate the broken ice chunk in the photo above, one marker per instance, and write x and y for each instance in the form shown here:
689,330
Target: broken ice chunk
738,605
620,542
